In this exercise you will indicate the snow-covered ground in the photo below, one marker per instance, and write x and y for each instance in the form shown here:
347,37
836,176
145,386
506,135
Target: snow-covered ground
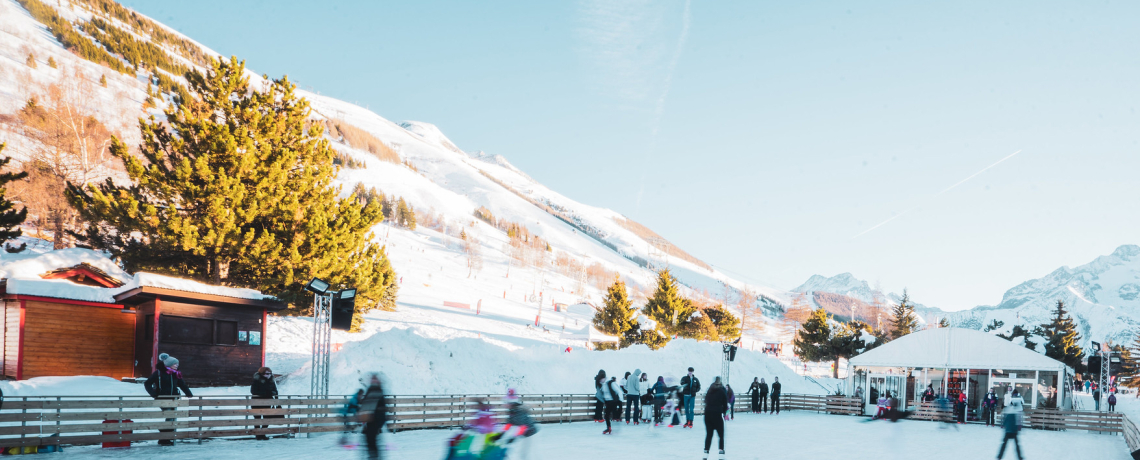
788,436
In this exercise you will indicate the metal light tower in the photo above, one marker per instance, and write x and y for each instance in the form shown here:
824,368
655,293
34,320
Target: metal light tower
322,335
1106,357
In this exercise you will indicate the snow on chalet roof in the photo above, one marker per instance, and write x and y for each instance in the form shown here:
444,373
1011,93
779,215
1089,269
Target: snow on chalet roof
22,273
968,349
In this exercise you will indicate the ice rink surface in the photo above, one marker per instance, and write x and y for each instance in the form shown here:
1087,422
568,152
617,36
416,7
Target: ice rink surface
788,436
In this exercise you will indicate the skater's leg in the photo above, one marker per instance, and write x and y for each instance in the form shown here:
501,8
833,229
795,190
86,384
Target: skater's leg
690,404
1017,446
708,434
371,433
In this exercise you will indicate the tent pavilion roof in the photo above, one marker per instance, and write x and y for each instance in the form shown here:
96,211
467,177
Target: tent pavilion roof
955,348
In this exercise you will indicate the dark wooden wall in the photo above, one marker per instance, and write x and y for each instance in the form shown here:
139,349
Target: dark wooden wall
214,365
64,339
143,341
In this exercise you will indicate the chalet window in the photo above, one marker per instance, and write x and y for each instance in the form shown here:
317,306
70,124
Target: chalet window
197,331
227,332
186,330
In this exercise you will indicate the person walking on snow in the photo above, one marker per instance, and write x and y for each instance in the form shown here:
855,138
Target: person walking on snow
716,407
165,383
776,396
633,397
754,391
600,403
610,397
1011,421
690,386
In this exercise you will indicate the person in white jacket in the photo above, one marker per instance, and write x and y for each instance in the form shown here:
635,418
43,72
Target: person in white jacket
611,394
1011,421
633,397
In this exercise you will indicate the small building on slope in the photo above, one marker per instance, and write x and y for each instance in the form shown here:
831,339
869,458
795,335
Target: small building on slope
75,312
953,361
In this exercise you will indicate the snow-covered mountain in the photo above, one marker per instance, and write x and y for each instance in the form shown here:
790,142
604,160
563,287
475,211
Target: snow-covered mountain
1103,296
838,293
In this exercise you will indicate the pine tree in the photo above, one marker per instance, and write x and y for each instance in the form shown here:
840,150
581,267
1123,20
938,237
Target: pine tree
944,322
846,342
667,307
235,187
813,341
10,218
31,61
103,81
903,321
51,63
616,317
1061,339
1126,374
404,214
727,324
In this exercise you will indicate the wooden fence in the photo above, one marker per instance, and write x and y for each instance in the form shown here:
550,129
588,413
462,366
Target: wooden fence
1131,434
1042,419
55,420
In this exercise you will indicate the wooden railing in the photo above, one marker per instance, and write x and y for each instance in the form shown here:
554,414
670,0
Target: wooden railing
54,420
1042,419
1131,433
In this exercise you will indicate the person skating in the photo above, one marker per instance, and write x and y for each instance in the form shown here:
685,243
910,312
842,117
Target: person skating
716,406
164,383
659,391
520,421
776,395
374,413
731,403
1011,421
616,415
633,397
989,407
263,387
599,403
611,396
1112,402
764,396
754,392
1096,397
690,387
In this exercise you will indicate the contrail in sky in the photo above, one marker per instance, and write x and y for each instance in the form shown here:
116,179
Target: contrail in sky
936,195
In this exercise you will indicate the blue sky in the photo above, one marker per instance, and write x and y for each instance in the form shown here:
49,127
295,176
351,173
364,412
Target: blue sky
763,136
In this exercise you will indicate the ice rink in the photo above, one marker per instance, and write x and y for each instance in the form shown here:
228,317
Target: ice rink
788,436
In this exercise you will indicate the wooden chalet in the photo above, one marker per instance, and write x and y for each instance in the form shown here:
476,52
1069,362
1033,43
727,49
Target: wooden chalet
96,323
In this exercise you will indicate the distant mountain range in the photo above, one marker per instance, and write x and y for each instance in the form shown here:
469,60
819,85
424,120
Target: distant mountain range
1103,297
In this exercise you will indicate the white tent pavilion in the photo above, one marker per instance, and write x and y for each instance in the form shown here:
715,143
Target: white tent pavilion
954,361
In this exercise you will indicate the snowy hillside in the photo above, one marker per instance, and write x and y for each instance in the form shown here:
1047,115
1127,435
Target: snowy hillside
506,327
1103,297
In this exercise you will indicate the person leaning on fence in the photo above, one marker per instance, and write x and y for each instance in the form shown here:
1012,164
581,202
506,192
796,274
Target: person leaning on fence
263,387
374,414
165,383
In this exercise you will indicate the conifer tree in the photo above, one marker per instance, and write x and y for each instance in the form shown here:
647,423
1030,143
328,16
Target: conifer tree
727,324
31,61
813,341
406,217
944,322
667,307
1061,339
51,62
103,81
1126,374
616,317
846,342
903,321
10,218
235,187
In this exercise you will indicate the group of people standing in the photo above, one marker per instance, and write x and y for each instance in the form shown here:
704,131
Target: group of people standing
759,393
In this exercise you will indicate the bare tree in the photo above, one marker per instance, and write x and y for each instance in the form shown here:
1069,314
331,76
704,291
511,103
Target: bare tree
751,316
70,140
474,252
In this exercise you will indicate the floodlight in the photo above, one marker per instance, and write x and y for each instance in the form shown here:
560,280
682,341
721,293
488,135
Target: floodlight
347,293
317,286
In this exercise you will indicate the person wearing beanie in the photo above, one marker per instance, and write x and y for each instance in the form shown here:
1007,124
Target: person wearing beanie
716,406
520,422
263,387
374,414
164,383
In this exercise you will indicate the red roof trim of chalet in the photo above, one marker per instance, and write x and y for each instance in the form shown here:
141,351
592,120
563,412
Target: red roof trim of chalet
83,270
63,301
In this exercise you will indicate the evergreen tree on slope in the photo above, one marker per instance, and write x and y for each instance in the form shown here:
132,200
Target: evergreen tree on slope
667,307
903,320
1061,339
616,317
235,187
813,340
10,218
